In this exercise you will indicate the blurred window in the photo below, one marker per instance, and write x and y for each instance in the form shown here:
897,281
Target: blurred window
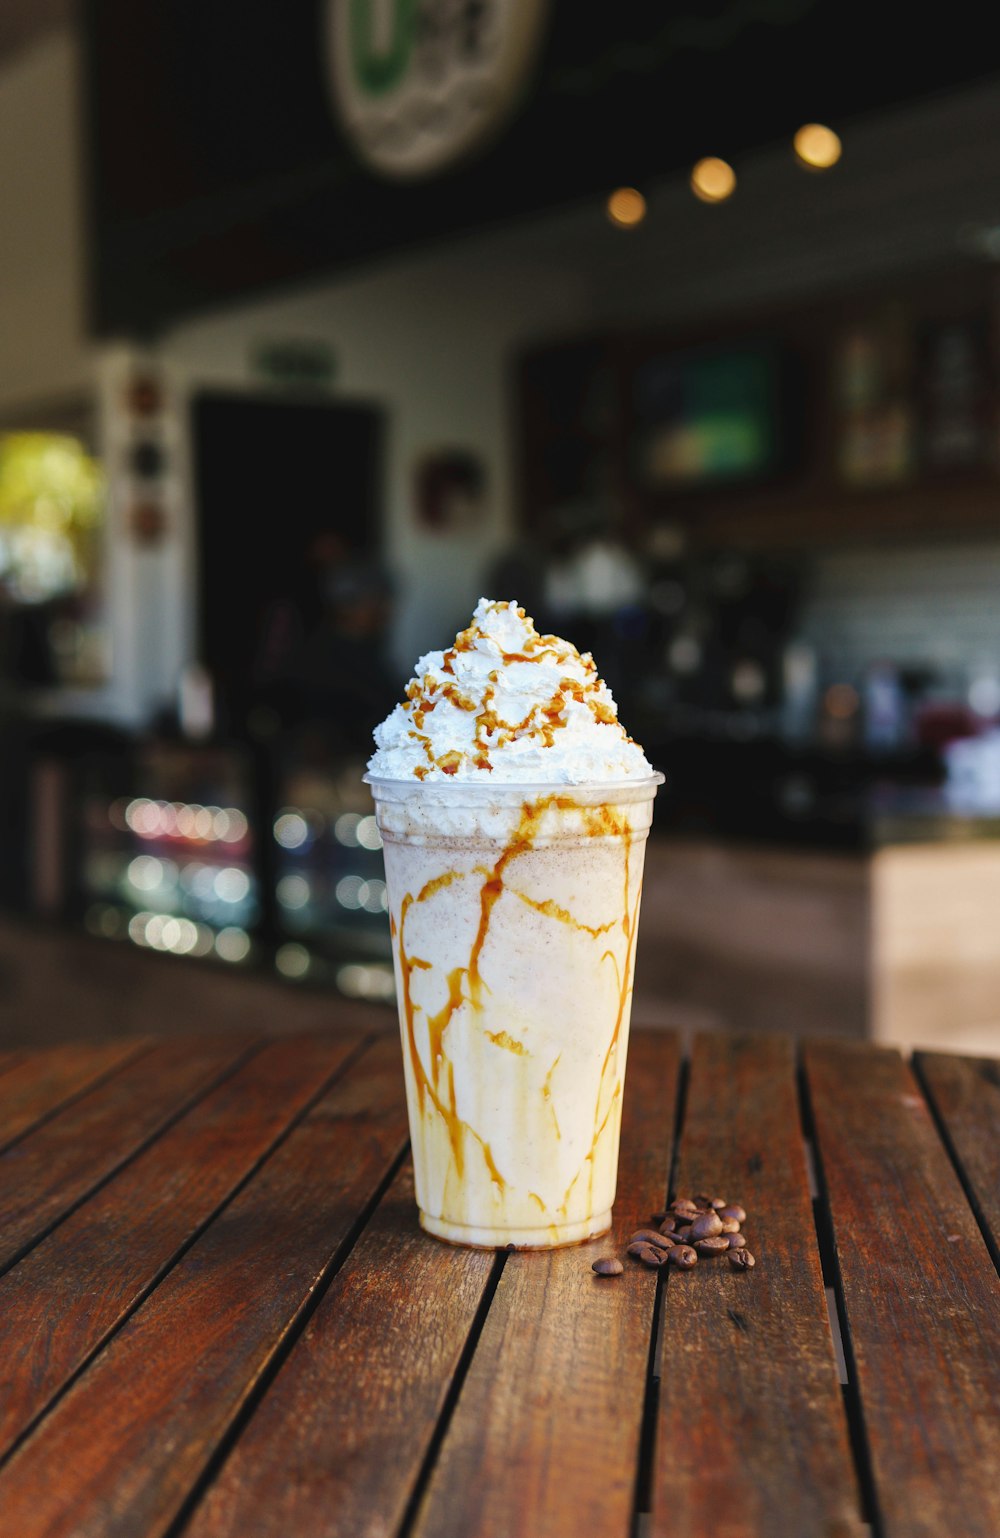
52,511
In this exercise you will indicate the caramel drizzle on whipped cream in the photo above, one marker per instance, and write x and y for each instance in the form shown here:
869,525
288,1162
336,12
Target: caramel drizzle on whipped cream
492,731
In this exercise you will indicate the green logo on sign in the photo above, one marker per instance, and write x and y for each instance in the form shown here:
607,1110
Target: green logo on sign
380,53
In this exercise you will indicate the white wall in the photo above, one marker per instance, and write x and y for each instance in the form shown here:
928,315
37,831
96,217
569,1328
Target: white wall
43,349
429,339
925,605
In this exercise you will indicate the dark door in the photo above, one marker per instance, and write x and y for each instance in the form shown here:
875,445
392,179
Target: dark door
285,491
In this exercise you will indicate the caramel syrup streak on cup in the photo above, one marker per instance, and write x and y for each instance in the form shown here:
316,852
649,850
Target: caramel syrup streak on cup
434,1094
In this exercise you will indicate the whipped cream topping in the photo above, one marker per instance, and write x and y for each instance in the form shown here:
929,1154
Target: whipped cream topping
504,703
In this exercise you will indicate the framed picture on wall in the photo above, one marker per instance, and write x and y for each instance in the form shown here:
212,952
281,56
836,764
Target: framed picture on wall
449,491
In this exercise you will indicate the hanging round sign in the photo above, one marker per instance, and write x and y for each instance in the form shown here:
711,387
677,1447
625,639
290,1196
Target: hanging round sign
422,84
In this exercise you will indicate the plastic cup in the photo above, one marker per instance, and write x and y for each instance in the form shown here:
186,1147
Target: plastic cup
514,911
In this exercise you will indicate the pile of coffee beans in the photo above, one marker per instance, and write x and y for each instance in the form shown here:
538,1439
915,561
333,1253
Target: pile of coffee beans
692,1227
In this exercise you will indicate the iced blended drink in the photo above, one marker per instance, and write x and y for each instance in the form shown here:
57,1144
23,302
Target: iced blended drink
514,812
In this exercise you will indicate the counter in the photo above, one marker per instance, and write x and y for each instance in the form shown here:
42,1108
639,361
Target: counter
898,942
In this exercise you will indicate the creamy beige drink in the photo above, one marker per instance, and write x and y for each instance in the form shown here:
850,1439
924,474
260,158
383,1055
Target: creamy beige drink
514,811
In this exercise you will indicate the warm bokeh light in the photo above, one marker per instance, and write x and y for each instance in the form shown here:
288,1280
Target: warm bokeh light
180,820
817,147
626,207
713,180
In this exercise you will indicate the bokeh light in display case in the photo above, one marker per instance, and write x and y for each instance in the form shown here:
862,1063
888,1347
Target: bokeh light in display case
232,944
179,819
359,981
292,960
294,892
291,829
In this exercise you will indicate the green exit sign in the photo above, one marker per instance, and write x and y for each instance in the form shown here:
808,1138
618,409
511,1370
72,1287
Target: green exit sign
296,365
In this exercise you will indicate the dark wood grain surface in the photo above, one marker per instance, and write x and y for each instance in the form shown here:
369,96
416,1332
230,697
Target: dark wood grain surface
45,1175
751,1432
36,1084
219,1317
340,1440
965,1093
921,1296
94,1267
133,1436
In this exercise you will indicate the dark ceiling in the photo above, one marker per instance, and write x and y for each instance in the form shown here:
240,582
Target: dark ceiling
216,168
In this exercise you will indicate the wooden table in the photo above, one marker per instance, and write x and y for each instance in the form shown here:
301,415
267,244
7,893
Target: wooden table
218,1314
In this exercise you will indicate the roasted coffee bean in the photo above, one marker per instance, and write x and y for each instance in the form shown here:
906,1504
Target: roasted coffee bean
734,1210
740,1260
718,1201
683,1204
682,1255
730,1226
706,1226
608,1266
736,1241
715,1246
649,1254
669,1226
682,1235
703,1203
650,1236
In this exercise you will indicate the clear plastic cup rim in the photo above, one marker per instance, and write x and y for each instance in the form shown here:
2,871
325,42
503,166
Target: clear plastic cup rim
475,793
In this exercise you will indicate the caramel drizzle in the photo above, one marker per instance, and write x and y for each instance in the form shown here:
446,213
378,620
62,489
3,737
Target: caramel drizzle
630,924
507,1041
428,1087
543,720
547,1095
552,910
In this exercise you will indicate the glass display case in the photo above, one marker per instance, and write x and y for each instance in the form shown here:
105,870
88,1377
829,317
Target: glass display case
331,909
168,862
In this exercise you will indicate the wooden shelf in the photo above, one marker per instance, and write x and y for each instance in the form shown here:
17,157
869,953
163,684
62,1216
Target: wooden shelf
808,504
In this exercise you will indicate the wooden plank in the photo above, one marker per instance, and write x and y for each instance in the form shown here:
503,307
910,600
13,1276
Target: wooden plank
966,1094
547,1430
922,1310
751,1436
48,1172
391,1331
122,1450
93,1268
41,1082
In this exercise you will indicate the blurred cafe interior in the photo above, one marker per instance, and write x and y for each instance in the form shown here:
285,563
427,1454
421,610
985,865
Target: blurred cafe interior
680,324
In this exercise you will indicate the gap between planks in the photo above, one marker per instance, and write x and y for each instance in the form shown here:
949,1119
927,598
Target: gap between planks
651,1409
965,1178
189,1100
121,1055
836,1308
162,1271
263,1382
